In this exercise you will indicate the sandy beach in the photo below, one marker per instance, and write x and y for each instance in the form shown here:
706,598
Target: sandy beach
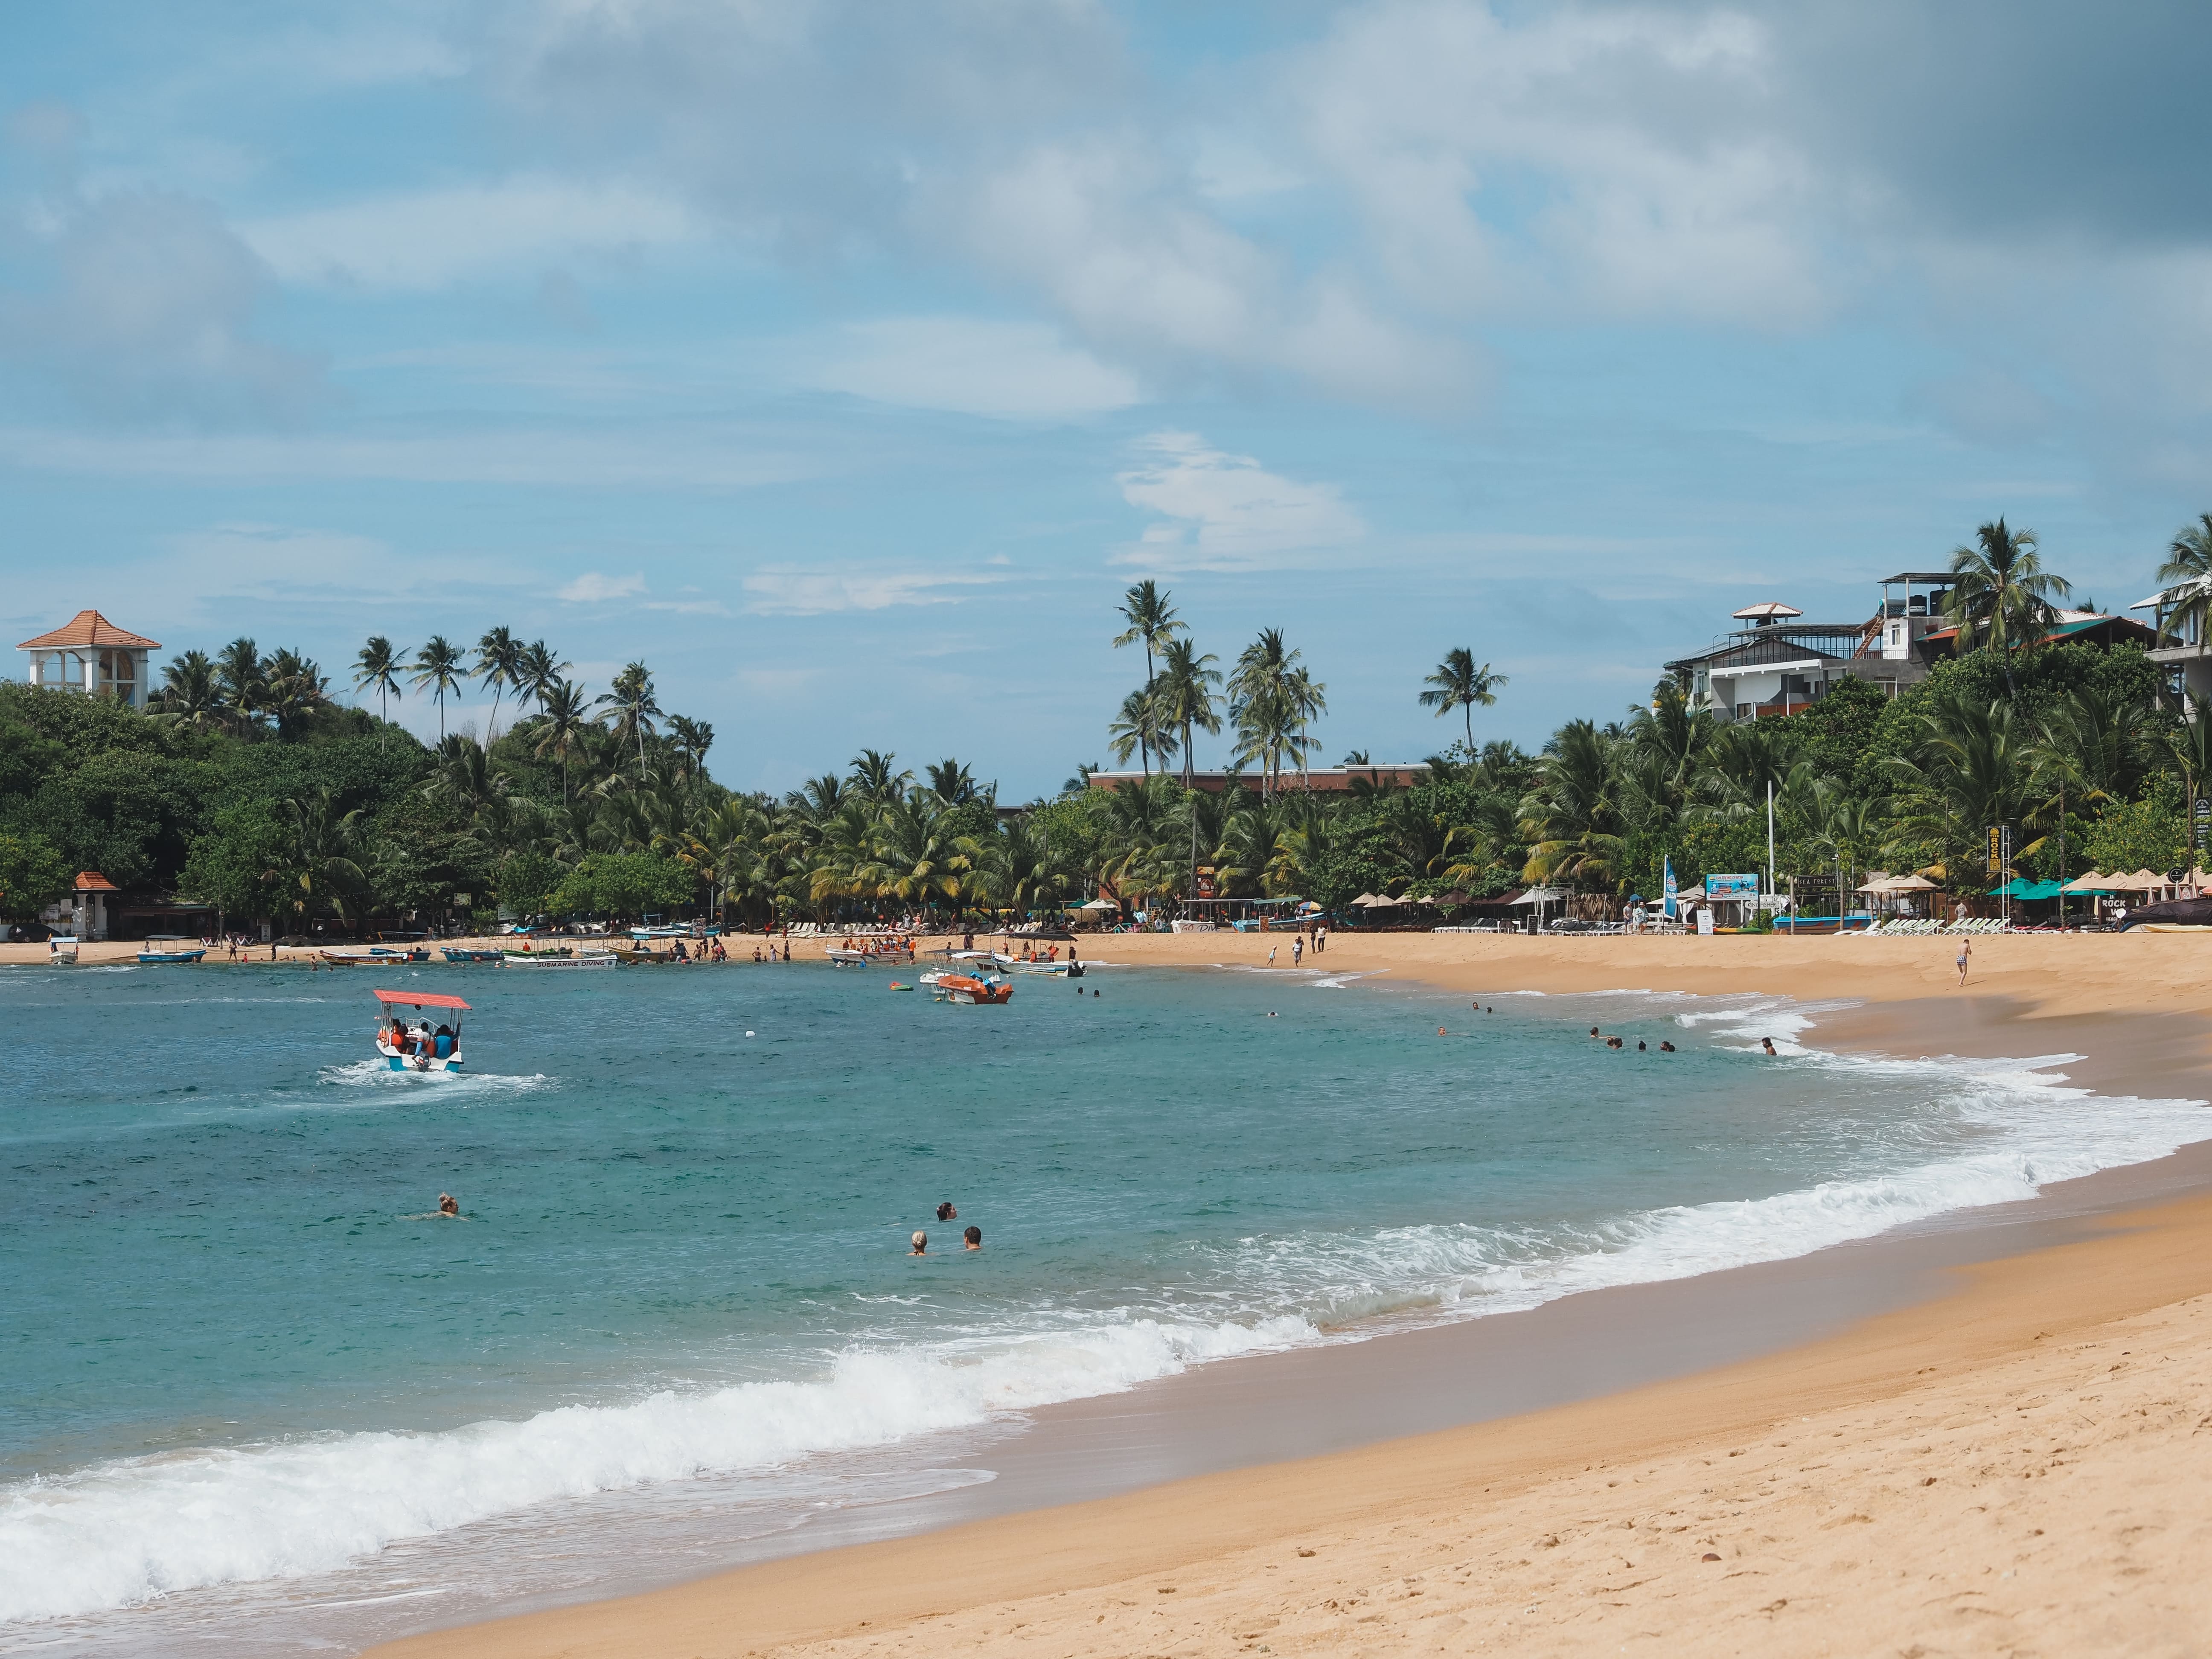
2011,1461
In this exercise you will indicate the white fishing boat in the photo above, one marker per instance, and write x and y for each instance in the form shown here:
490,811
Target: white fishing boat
61,952
171,948
1035,965
551,960
408,1045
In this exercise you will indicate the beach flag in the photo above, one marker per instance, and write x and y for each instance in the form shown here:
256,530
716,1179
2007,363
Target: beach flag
1670,887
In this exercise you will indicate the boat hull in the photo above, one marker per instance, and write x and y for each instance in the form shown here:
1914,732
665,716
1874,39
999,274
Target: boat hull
549,964
159,958
427,1065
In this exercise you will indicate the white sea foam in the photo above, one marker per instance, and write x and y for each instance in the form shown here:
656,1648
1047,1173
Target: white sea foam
129,1531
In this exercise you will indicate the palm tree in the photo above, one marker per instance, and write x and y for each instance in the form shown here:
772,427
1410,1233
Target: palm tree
631,707
1458,683
537,671
564,717
2001,594
951,782
1570,820
2187,573
296,689
191,695
441,666
693,738
238,669
1273,700
499,664
1969,767
1187,700
1152,620
377,669
873,777
1139,728
319,848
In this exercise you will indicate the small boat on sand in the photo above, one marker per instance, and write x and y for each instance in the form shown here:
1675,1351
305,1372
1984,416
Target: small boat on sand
61,952
377,956
410,1045
966,987
464,958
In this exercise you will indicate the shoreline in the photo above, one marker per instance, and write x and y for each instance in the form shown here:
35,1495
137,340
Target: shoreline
1265,1437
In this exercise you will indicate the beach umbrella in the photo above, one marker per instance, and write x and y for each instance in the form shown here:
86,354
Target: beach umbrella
1910,885
2092,883
1364,900
1101,904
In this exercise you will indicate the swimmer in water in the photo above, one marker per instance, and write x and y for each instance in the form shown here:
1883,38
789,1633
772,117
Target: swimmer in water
1612,1043
1639,1047
945,1212
1666,1047
920,1245
449,1205
973,1238
1593,1030
1769,1043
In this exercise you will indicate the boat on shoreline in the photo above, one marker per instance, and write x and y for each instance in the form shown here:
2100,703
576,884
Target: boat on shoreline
1035,965
413,1046
166,948
376,956
560,959
463,958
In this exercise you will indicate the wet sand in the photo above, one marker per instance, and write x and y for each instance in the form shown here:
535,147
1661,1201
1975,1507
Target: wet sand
1538,1481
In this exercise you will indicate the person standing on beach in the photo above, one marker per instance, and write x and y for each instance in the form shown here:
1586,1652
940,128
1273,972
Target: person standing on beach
1965,954
1271,956
1298,950
1321,940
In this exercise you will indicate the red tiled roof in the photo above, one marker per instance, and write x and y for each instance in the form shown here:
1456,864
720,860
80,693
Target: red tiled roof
88,627
91,881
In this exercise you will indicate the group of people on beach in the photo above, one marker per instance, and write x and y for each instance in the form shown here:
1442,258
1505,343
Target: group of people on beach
1298,947
970,1239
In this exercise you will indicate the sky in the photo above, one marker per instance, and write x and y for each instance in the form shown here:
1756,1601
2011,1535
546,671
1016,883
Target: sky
844,362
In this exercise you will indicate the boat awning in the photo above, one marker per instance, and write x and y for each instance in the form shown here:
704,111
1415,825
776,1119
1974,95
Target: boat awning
420,1000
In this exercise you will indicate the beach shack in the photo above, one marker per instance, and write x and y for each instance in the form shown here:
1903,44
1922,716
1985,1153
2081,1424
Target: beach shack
91,654
88,917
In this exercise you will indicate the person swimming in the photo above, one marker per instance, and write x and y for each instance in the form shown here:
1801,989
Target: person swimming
449,1205
946,1212
1666,1047
1593,1030
920,1244
1769,1043
1612,1043
973,1238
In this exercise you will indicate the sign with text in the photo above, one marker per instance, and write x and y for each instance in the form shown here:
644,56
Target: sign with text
1741,886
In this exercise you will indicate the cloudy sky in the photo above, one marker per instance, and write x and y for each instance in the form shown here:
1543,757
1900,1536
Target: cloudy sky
844,362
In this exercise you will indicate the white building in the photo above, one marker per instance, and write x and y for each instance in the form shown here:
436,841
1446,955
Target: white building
91,654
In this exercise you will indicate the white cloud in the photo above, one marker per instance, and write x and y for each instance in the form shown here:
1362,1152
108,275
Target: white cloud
592,588
430,238
788,592
1227,512
1005,371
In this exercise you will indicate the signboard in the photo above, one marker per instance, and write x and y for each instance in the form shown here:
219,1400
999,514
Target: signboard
2203,824
1741,886
1205,881
1704,922
1671,890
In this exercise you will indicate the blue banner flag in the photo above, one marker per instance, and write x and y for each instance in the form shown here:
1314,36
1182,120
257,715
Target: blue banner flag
1670,887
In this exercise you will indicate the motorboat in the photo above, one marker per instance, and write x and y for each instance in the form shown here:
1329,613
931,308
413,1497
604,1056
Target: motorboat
966,987
61,952
408,1045
377,956
1037,965
454,954
162,948
560,959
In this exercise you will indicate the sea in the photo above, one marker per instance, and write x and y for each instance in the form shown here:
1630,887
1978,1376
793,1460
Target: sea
255,1394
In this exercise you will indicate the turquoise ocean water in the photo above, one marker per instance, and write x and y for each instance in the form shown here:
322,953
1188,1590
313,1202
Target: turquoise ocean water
249,1386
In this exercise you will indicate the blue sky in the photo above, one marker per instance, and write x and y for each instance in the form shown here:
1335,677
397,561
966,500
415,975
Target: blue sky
844,362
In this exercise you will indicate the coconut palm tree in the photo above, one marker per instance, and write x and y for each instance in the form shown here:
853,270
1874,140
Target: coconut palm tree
1151,621
2188,567
441,666
320,848
2001,595
1139,728
238,669
692,738
1274,700
296,689
1571,821
1188,704
537,671
951,782
631,709
873,777
191,695
563,716
499,664
377,669
1458,683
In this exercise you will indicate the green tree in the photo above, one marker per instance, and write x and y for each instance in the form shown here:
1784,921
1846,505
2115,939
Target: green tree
499,666
377,669
32,875
2187,577
631,709
624,885
237,863
238,670
192,695
1152,622
2001,595
439,667
1458,683
564,715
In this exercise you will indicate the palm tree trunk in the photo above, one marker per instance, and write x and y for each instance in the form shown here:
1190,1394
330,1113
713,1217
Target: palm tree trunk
1467,708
